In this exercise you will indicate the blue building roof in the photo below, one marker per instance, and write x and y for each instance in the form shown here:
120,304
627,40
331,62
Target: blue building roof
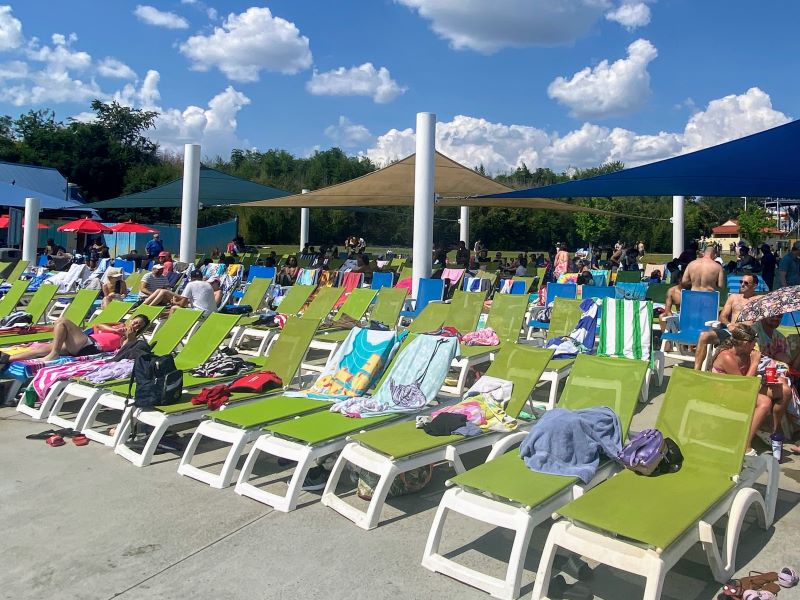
44,180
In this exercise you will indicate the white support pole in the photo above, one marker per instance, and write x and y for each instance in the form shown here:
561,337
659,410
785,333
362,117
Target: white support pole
30,236
304,217
423,199
677,226
463,231
190,202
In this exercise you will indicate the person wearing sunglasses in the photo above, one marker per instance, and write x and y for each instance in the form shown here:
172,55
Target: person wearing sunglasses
729,314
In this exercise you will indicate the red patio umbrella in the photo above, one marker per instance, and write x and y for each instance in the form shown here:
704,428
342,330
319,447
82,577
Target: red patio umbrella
4,222
132,227
85,225
129,227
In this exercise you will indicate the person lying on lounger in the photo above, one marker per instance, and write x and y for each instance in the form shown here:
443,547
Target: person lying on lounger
71,340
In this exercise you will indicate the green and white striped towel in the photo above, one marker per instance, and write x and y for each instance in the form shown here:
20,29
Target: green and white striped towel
625,329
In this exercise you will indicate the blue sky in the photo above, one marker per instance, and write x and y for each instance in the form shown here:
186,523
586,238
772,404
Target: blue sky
551,83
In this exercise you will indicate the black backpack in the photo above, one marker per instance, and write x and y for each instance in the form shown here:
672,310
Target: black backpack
158,382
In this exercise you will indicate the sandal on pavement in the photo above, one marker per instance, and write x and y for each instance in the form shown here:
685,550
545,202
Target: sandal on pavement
79,439
55,441
788,577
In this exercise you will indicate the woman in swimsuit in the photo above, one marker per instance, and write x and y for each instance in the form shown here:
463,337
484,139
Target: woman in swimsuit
739,355
71,340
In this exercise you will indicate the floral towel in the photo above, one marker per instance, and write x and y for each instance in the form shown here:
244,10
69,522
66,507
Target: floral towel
483,337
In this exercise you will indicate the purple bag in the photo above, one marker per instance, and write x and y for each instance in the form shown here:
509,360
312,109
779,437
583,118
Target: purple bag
644,452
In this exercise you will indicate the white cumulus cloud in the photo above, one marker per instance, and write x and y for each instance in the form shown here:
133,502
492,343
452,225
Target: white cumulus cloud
248,42
111,67
489,26
347,134
364,80
158,18
730,118
608,89
214,127
630,15
10,29
500,148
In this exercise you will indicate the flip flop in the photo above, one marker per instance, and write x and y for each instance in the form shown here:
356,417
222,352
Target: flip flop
788,577
758,595
55,441
42,435
79,439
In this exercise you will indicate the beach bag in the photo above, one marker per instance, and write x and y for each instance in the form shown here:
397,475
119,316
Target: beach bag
644,452
650,453
132,351
406,483
158,381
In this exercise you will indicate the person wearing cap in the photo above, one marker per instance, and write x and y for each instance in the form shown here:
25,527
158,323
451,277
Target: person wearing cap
165,258
789,267
154,247
152,285
199,294
114,287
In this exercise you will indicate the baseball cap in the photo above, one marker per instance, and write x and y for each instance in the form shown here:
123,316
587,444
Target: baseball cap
164,253
158,266
213,279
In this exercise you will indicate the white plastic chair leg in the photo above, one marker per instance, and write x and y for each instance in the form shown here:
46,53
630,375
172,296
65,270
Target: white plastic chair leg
369,461
145,457
237,438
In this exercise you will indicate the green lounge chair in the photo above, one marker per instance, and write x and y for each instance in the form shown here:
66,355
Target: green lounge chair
644,525
256,293
430,319
464,311
40,302
388,305
163,341
18,270
240,425
133,281
284,360
76,312
504,492
112,395
5,266
293,301
322,304
400,447
628,276
12,297
566,314
506,317
305,439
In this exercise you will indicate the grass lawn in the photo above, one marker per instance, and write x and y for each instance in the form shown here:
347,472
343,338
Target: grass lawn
376,250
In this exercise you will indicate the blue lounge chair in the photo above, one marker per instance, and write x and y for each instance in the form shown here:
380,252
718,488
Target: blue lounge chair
697,308
430,290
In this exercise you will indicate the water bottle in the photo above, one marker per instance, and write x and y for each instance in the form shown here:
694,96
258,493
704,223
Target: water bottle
777,445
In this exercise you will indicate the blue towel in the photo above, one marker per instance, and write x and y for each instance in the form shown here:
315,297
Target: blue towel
631,291
569,443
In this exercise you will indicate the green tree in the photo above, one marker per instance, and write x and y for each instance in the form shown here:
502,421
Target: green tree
592,228
754,224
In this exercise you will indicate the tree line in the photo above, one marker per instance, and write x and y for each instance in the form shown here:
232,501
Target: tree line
111,156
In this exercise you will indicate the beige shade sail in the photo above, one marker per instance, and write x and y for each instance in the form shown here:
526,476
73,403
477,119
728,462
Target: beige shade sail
454,185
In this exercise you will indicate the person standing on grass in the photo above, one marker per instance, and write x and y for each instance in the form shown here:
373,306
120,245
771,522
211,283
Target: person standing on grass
789,267
154,247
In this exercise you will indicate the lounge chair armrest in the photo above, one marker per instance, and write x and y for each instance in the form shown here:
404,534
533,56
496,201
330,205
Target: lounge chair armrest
503,445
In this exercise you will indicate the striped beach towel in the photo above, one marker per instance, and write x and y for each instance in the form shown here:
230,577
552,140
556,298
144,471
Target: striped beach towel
625,329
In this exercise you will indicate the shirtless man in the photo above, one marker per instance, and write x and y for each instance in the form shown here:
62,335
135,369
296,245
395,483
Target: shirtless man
728,315
704,274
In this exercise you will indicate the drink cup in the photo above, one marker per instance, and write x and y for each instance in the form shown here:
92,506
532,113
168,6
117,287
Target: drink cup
771,375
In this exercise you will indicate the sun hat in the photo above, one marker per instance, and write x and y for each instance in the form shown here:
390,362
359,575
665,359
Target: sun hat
213,279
